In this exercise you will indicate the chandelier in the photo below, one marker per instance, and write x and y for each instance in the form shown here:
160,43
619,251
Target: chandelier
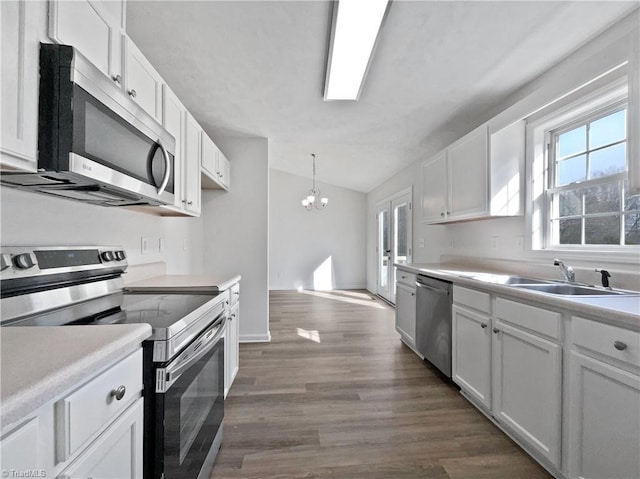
314,197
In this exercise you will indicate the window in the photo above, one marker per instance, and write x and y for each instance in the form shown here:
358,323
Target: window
587,202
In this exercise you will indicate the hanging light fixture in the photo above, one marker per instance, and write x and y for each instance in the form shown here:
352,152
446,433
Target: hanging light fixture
314,197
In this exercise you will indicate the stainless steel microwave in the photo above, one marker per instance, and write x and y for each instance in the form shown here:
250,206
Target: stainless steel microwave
95,144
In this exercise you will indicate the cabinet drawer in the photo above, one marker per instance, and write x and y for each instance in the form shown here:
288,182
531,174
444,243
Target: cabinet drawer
603,338
472,299
83,413
535,319
406,278
234,294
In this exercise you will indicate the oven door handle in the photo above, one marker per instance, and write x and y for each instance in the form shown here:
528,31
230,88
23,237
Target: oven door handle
206,343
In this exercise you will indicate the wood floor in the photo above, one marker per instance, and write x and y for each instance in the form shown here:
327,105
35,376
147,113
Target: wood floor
336,395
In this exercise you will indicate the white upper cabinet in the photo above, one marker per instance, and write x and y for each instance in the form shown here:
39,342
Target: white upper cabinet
191,167
142,82
173,119
23,26
216,170
94,28
435,193
478,176
467,163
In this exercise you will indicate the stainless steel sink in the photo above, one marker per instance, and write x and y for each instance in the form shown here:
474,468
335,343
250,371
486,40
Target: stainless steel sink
507,279
569,289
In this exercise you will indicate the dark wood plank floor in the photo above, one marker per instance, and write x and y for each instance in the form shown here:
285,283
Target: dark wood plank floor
336,395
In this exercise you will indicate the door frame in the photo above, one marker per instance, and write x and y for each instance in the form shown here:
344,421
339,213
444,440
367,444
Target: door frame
388,204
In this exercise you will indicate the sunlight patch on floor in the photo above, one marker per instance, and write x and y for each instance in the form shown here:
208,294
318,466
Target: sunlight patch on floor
337,297
311,334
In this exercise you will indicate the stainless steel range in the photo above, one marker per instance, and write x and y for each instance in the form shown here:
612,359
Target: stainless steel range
183,359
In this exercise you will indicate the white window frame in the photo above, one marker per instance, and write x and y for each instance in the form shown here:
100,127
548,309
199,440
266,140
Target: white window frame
601,96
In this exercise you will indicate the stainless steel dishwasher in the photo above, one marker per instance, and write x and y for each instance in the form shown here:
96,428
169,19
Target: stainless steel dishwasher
433,321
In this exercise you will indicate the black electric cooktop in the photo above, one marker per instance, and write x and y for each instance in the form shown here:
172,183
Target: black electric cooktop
159,310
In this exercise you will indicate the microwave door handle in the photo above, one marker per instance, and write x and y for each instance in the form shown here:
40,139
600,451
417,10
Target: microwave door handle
167,168
175,371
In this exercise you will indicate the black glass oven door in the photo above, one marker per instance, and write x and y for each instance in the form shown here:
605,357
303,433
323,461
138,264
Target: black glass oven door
193,409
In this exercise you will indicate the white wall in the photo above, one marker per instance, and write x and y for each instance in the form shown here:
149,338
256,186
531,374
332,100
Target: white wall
503,238
301,242
40,220
236,231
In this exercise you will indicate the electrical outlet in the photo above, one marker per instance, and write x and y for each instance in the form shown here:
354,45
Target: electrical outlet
421,243
185,244
519,241
494,242
144,245
452,244
161,245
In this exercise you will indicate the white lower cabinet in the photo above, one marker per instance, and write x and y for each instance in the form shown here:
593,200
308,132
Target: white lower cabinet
527,388
471,361
93,430
117,453
604,422
406,313
232,338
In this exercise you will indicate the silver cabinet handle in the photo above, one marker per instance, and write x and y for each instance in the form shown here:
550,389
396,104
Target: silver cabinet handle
237,293
118,393
132,93
117,79
483,325
167,168
448,213
619,345
413,294
496,330
442,214
189,203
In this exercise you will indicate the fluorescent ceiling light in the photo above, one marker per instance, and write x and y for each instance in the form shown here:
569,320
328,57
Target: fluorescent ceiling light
356,24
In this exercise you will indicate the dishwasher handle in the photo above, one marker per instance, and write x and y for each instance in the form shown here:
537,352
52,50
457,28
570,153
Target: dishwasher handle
445,292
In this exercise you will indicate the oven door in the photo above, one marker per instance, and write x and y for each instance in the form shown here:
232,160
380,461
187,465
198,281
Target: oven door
189,408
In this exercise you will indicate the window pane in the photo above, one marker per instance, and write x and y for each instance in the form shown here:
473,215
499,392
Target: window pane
401,233
632,228
608,161
572,170
631,203
570,231
570,203
608,130
602,198
572,142
602,230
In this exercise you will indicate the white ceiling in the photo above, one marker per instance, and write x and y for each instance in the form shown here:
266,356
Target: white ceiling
257,69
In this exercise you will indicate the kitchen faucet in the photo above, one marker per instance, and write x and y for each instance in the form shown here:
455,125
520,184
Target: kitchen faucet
567,271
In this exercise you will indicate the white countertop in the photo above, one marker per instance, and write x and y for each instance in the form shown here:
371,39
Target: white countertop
184,282
620,310
39,363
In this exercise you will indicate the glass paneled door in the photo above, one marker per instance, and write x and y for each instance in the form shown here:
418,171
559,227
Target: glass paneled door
394,219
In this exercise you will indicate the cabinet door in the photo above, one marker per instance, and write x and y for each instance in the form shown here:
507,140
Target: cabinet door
234,349
604,420
223,171
527,376
20,46
434,189
406,313
142,81
471,361
93,28
19,448
210,155
468,169
507,170
116,453
173,121
192,165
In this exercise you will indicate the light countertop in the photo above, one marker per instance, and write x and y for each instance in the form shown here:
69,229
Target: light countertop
39,363
184,282
620,310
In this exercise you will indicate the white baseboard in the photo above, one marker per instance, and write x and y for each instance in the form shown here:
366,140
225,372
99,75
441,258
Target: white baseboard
256,338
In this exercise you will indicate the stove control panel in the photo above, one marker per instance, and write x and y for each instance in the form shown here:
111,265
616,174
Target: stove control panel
24,262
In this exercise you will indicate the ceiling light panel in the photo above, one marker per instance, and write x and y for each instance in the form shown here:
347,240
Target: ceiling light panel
356,24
